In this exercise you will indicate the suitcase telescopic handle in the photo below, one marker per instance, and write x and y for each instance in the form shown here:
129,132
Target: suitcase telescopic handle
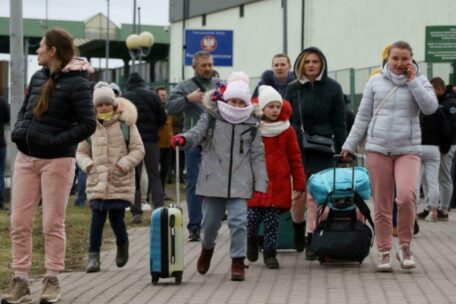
337,161
177,178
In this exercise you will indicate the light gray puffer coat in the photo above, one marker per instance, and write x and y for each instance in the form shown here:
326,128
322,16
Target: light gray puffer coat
108,148
233,163
395,130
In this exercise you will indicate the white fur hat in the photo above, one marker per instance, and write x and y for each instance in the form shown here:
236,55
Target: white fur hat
266,95
238,87
103,94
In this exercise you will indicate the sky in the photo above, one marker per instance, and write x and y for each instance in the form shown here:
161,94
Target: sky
153,12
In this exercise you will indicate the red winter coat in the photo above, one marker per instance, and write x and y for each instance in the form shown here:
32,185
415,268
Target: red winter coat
283,161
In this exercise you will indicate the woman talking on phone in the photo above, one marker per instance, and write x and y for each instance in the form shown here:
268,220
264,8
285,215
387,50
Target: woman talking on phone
389,114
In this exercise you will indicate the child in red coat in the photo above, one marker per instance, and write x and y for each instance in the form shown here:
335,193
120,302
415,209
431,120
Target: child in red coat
283,162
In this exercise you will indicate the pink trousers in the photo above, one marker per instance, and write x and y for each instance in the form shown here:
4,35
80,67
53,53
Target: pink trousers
399,172
36,178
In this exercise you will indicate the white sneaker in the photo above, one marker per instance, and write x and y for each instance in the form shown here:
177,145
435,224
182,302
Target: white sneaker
405,257
384,262
146,206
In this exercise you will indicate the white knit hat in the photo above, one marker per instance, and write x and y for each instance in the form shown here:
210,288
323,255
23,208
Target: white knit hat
266,95
103,93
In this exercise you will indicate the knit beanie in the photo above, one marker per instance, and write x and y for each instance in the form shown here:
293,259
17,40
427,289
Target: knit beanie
103,93
268,94
115,88
238,87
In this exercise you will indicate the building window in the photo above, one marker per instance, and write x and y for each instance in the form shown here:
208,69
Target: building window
203,20
241,10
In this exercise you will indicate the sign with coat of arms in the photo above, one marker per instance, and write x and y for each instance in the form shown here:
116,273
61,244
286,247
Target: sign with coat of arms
219,43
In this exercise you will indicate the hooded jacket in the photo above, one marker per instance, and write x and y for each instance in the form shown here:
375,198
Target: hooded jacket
232,163
283,161
322,110
151,113
108,148
395,130
69,119
268,78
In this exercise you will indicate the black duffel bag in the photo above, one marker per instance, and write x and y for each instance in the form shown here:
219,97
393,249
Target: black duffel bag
344,239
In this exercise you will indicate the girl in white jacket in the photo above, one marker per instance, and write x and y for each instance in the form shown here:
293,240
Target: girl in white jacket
389,114
109,158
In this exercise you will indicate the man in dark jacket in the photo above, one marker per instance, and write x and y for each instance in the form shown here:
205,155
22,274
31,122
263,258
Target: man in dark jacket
447,102
151,115
4,118
186,98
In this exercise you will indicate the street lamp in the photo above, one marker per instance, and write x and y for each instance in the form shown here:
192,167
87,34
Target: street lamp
139,45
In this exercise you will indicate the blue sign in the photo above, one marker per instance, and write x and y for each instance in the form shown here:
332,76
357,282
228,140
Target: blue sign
219,43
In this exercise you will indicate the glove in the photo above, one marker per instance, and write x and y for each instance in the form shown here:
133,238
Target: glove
260,195
177,140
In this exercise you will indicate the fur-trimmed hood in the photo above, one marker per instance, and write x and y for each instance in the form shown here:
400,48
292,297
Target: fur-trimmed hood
127,110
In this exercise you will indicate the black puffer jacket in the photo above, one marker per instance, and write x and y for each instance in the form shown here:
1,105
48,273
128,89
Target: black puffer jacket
69,119
151,113
435,130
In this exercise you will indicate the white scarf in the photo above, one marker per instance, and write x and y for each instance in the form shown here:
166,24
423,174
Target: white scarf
397,79
232,114
271,129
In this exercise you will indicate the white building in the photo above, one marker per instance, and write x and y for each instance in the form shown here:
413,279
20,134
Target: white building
351,33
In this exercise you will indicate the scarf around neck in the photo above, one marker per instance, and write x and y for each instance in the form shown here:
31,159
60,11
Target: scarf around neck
232,114
271,129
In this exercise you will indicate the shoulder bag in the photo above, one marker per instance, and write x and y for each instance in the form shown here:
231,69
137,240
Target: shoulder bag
315,143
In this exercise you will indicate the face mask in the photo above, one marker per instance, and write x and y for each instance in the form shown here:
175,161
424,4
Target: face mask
105,116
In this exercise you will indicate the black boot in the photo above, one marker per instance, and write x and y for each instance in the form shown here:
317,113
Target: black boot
93,264
299,238
122,255
270,259
310,256
252,249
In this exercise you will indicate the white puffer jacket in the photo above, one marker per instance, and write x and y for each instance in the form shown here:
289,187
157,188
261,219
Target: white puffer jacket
395,130
108,148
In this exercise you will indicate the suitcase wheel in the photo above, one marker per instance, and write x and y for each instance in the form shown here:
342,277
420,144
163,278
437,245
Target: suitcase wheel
155,278
178,278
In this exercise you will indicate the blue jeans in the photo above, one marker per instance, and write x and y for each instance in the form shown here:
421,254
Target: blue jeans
82,178
194,202
2,174
213,210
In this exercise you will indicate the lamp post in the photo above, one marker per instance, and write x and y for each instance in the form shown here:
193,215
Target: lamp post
139,45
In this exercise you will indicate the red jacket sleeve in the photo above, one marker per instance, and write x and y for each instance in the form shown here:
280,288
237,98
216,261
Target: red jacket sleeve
295,161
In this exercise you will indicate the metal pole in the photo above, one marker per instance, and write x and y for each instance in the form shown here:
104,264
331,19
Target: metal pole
134,17
303,25
285,27
184,47
107,47
17,67
47,11
26,51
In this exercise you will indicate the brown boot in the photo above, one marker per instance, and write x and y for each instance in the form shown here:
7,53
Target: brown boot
204,260
238,269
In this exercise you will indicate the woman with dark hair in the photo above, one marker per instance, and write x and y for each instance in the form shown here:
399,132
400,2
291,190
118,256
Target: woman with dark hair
56,115
389,115
279,76
318,109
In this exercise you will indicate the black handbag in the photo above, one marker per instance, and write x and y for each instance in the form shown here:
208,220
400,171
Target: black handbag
316,143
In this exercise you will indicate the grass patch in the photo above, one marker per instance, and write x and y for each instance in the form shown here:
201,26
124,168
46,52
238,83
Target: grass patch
77,235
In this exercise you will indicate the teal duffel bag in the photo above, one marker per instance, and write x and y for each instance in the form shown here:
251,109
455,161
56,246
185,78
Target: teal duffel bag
285,238
335,183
